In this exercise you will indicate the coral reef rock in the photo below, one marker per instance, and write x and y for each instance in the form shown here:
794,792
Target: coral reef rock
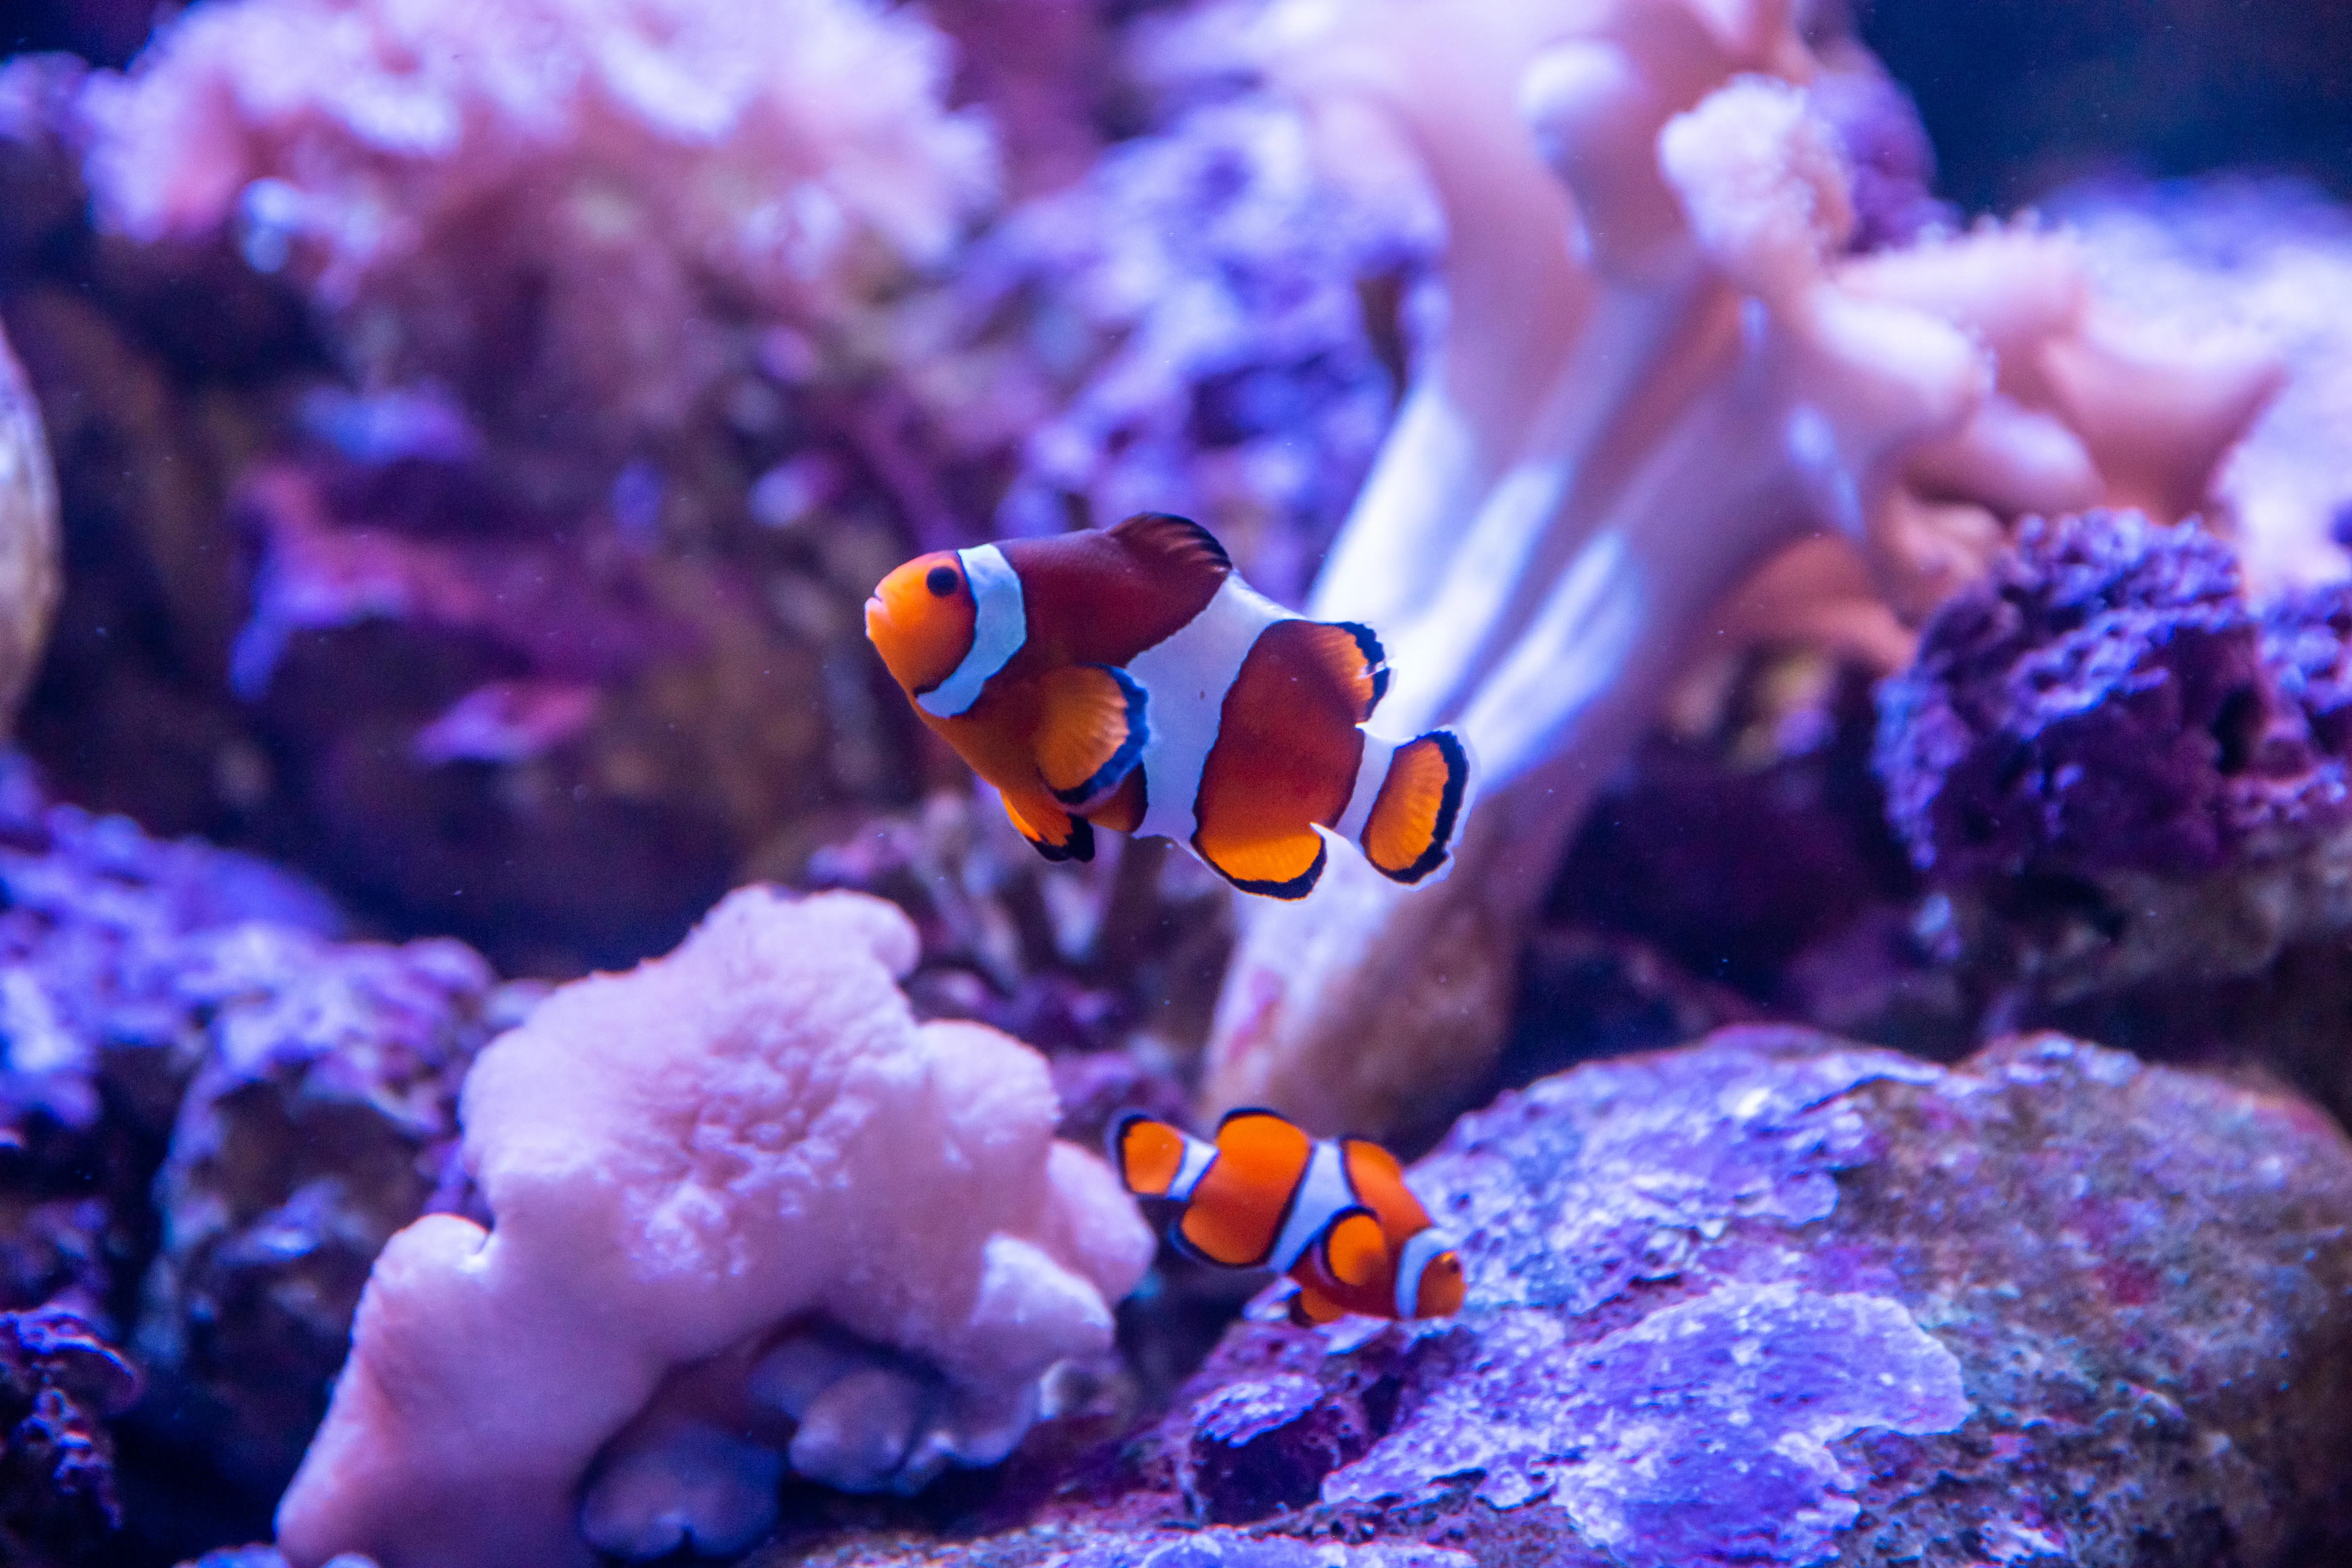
322,1119
212,1115
28,536
745,1213
1778,1298
58,1383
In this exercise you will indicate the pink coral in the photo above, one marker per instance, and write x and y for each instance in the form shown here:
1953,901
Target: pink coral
690,1165
1661,369
565,204
29,563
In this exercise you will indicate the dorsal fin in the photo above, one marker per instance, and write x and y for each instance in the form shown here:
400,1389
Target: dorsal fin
1177,540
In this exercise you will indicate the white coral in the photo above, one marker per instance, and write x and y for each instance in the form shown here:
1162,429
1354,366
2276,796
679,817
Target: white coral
1659,371
684,1162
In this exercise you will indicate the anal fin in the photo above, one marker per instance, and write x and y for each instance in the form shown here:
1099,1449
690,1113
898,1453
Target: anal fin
1091,731
1311,1306
1051,831
1354,1247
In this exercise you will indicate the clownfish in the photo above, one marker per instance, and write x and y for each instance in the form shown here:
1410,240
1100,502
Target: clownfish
1333,1213
1130,677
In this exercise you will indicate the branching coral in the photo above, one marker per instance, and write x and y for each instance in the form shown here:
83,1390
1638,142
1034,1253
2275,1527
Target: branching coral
1660,369
561,206
736,1189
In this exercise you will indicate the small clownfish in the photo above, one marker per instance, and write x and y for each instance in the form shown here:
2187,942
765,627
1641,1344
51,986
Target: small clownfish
1130,677
1334,1213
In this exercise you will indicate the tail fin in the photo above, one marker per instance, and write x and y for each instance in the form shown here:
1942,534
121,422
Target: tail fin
1155,1159
1417,816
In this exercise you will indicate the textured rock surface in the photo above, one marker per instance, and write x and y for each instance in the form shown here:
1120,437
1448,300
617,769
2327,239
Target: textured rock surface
1773,1299
58,1382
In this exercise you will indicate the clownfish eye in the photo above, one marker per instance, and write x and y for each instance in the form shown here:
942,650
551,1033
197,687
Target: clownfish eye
943,581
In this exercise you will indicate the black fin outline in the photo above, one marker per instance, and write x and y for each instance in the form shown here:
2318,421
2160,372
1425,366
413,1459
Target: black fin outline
1114,1135
1297,887
1321,1245
1376,659
1120,762
1171,535
1079,846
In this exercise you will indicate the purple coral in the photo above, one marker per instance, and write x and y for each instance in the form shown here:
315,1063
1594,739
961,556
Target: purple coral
212,1114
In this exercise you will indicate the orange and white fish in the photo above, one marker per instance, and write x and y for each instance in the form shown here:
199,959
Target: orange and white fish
1333,1213
1130,677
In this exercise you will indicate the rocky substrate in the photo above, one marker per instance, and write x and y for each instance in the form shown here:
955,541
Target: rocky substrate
1776,1299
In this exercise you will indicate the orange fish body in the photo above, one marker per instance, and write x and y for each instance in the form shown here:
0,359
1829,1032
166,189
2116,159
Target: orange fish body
1334,1214
1131,678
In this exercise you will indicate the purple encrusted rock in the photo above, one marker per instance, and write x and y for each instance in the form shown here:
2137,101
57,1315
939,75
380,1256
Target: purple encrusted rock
2113,770
1776,1299
2098,702
58,1383
97,926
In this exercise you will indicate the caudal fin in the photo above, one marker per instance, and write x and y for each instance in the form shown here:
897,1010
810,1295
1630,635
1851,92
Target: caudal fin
1154,1159
1417,816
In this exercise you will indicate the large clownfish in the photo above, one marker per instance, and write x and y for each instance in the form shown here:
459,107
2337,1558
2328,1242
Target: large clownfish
1131,678
1334,1213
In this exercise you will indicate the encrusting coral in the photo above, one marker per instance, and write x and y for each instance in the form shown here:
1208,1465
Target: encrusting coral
1660,370
736,1189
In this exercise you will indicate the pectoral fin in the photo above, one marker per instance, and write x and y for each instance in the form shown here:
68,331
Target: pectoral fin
1354,1247
1091,731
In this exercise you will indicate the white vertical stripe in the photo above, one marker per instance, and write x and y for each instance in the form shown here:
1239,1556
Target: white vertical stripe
1000,625
1413,1262
1187,674
1370,773
1199,1155
1323,1192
